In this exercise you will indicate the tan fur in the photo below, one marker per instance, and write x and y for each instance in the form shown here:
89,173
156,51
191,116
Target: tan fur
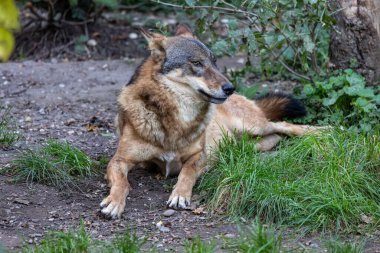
164,120
273,107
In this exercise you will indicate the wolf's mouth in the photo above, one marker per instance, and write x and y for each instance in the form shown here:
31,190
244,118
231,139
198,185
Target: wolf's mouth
212,99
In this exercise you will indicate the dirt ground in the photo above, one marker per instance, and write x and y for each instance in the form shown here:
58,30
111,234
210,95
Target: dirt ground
58,99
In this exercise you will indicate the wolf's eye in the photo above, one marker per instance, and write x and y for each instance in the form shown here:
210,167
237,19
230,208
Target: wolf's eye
197,63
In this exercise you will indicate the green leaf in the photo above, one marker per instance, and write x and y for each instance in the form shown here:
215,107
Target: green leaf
232,24
308,89
361,102
355,79
366,92
358,90
220,47
8,15
6,44
108,3
377,99
330,100
73,3
190,2
308,44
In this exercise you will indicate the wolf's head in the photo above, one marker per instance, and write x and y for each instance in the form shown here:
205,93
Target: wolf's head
184,60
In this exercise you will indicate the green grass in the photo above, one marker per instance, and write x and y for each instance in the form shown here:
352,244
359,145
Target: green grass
254,239
8,136
335,246
55,163
79,241
72,241
323,182
196,245
127,243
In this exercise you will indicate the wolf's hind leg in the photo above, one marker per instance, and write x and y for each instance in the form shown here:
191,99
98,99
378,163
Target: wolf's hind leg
117,172
283,127
268,142
293,129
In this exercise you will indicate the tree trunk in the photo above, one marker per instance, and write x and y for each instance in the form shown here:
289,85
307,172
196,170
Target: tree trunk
355,40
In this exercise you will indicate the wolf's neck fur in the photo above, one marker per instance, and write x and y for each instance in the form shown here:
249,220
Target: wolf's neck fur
164,112
188,102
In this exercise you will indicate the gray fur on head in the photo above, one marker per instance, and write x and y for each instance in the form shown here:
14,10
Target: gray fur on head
182,51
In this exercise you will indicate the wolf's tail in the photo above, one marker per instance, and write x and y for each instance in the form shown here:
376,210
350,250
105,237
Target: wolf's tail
277,106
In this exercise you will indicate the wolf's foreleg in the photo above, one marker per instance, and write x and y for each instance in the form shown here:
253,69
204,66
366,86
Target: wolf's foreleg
192,169
117,171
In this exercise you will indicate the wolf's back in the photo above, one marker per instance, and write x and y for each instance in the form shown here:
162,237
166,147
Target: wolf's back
277,106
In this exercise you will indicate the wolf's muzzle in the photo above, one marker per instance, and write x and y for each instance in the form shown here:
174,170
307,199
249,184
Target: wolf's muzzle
228,89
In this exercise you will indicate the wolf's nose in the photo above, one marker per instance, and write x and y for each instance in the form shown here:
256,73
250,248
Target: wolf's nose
228,88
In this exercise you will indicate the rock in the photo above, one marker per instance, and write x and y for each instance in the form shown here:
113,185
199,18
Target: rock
229,235
28,119
169,212
35,235
70,121
42,111
160,225
21,201
92,43
133,36
366,219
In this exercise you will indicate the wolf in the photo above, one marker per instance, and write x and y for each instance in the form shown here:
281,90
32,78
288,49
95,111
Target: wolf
175,110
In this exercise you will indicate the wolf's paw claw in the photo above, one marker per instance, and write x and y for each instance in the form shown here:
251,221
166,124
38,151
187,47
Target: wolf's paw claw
111,208
177,202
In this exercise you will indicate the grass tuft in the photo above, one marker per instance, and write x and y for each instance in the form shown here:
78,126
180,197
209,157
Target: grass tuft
334,246
8,136
56,163
127,243
256,238
324,182
72,241
79,241
196,245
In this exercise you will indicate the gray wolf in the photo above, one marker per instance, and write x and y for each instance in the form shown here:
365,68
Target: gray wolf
176,108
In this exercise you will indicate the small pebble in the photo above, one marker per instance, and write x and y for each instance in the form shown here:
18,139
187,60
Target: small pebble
92,43
133,36
169,212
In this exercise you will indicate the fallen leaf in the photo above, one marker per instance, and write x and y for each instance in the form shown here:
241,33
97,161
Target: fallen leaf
200,210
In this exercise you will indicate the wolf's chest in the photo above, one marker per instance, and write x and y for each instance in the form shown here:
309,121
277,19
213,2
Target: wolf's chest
169,163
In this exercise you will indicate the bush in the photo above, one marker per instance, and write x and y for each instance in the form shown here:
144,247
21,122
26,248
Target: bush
343,99
64,12
286,35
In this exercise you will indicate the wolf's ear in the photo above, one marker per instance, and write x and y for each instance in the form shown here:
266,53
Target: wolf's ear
156,43
184,30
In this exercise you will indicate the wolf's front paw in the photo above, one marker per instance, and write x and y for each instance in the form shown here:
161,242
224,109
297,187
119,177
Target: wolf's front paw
112,207
179,199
